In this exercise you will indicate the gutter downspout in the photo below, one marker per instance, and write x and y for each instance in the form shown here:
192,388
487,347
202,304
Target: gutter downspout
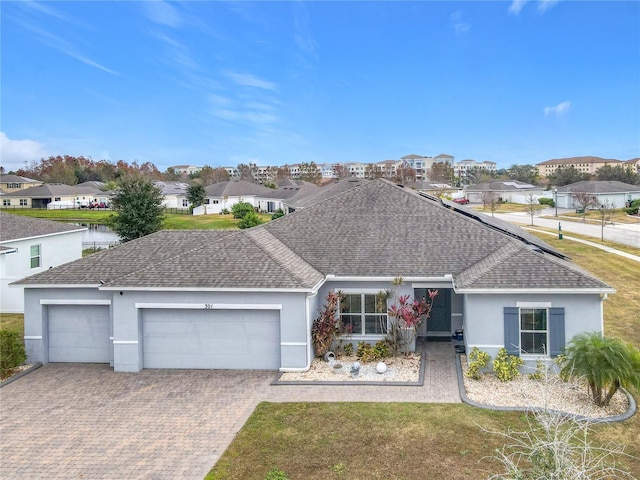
308,343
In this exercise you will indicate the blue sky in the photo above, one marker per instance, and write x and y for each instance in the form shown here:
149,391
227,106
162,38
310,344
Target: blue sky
222,83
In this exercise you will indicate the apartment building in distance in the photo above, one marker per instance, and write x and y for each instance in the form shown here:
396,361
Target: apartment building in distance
463,167
588,165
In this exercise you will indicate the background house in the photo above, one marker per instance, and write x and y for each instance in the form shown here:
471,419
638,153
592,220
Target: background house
67,196
14,183
224,195
174,193
29,246
616,194
246,299
512,191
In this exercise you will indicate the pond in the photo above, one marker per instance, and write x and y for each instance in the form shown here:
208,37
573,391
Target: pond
97,235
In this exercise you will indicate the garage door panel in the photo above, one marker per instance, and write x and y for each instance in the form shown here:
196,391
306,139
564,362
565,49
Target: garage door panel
238,339
78,333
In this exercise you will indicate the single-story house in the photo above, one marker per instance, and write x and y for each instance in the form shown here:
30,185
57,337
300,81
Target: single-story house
32,245
174,193
246,299
512,191
43,195
224,195
617,194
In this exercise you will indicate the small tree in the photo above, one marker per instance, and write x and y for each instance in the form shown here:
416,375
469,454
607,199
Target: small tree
605,363
195,195
138,208
583,200
490,201
533,206
409,314
12,353
606,214
240,209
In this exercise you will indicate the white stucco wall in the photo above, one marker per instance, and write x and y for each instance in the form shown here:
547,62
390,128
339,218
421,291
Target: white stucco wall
55,250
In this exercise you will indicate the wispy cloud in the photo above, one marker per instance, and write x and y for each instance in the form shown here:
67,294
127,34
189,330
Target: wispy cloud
561,109
248,80
54,41
458,23
163,13
516,6
543,5
15,153
305,41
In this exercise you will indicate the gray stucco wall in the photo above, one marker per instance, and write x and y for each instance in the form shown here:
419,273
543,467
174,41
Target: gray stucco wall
126,330
484,316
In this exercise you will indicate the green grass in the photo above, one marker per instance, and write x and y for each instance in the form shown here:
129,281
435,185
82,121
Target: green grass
12,321
172,221
417,441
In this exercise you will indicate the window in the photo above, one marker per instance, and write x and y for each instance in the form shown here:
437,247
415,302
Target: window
533,331
23,202
35,256
14,185
6,202
364,313
56,199
185,202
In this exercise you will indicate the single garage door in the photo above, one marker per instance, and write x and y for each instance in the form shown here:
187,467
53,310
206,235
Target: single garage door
78,333
224,339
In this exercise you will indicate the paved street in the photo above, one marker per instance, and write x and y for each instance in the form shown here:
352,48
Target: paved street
626,234
85,421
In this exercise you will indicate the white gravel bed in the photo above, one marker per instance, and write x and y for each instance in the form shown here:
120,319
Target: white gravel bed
551,392
399,369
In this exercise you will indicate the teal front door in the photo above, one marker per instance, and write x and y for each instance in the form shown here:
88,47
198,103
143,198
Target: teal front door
439,323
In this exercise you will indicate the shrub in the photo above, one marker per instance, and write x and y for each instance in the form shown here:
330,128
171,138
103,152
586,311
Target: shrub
326,327
240,209
546,201
540,372
506,366
605,363
251,219
478,361
348,349
631,210
224,211
277,214
12,352
372,353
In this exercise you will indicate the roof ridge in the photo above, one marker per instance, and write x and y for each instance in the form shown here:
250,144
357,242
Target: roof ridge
274,248
486,264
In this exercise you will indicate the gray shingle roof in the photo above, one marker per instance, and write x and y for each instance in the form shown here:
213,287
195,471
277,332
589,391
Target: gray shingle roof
316,196
55,189
236,188
376,230
501,186
15,227
9,178
601,186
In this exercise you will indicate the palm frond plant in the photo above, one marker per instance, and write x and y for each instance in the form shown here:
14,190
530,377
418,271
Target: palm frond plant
605,363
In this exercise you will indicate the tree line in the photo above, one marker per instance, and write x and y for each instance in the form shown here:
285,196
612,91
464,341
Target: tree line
72,170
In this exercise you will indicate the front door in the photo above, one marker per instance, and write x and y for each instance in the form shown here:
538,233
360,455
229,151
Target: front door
439,323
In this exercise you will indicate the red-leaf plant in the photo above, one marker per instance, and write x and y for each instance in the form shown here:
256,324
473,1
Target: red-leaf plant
410,314
327,326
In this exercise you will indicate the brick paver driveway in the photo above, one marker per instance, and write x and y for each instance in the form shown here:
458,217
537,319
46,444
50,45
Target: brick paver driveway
86,421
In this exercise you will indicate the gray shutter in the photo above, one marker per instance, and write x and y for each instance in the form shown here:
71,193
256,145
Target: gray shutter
512,330
556,331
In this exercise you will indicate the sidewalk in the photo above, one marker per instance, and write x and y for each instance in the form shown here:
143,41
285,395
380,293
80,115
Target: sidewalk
587,242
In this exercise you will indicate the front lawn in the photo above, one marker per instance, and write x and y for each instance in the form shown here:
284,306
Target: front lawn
417,441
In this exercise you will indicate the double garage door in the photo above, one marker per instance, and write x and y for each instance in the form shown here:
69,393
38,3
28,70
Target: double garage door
225,339
210,339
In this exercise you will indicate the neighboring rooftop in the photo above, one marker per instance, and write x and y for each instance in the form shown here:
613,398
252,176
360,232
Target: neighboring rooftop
375,230
55,189
601,186
16,227
500,186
